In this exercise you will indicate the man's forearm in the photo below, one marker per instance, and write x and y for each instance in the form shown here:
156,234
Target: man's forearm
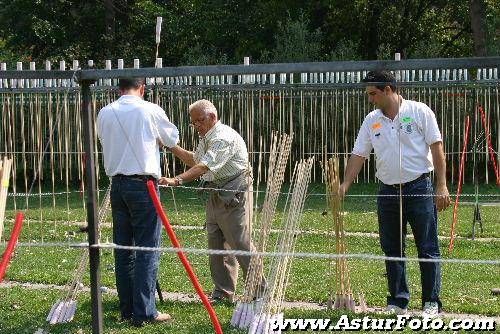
193,173
354,165
186,156
442,198
439,162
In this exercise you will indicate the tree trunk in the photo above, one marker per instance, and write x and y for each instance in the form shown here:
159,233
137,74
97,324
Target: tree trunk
110,18
372,38
477,10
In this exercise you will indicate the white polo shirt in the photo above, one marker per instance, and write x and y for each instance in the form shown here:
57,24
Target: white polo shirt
131,130
418,130
223,151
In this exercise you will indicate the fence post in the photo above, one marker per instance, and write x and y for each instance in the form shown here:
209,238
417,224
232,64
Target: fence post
92,220
107,82
18,83
33,82
62,67
76,67
48,67
397,57
3,67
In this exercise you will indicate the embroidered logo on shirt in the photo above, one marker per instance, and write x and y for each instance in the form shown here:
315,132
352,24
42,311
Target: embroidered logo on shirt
406,119
376,126
408,128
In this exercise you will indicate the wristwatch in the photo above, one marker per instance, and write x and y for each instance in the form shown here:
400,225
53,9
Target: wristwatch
179,181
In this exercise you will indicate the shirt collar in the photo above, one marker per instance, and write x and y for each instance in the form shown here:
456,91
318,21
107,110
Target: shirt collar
129,97
212,130
380,114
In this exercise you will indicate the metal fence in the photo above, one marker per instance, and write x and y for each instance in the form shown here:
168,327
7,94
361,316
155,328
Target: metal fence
323,104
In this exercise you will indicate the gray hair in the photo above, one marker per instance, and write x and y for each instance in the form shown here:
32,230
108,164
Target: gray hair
205,106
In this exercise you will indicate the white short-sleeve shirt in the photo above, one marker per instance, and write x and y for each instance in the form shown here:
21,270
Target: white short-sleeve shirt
418,129
131,131
223,151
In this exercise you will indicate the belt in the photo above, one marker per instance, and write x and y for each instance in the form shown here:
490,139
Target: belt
402,185
139,177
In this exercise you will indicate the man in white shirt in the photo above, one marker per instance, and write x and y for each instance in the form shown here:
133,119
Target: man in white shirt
131,131
405,137
222,159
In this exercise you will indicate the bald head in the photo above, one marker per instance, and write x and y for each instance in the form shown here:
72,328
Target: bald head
203,106
203,116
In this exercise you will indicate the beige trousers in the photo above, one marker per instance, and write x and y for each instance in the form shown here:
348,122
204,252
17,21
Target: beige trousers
229,228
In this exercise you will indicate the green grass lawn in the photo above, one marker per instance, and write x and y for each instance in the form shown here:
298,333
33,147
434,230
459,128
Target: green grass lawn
465,288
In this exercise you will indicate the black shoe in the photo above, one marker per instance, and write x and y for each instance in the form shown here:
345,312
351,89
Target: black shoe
218,299
137,323
125,318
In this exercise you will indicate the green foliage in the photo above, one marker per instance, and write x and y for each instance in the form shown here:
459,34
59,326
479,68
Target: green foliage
197,55
218,32
295,42
493,26
346,49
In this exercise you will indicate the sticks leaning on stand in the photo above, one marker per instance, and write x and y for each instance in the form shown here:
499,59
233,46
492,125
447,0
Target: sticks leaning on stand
343,294
269,309
64,310
279,153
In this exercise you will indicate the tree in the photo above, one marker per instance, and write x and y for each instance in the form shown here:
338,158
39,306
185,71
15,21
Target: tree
295,42
477,9
224,31
109,20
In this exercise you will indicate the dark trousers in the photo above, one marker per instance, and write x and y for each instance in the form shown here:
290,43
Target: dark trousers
420,211
135,223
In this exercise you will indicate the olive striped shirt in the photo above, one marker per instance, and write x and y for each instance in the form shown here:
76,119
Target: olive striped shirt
223,151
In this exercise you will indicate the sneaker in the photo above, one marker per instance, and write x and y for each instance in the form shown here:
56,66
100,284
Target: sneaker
161,317
431,310
394,309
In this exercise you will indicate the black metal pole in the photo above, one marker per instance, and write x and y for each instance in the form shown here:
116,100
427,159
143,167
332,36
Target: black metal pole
92,220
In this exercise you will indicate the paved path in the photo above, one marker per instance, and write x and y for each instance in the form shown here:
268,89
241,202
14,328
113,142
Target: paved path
191,298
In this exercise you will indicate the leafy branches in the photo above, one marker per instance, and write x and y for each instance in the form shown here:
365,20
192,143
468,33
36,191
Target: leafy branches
224,31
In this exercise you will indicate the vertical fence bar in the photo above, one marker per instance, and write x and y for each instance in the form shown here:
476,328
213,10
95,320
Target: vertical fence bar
3,82
48,67
92,220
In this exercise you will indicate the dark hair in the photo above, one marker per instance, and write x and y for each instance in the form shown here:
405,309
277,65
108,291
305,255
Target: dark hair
130,83
379,77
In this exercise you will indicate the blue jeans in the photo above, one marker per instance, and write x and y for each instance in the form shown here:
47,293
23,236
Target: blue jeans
135,223
421,213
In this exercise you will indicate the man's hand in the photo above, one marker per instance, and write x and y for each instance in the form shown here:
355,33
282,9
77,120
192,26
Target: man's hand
342,190
168,181
442,198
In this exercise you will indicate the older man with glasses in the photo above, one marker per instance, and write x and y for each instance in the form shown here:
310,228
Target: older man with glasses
221,159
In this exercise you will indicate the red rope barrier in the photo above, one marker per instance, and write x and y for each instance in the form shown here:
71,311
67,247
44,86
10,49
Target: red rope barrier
182,257
11,245
460,182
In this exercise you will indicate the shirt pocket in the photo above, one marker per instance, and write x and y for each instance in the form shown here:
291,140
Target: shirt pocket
379,141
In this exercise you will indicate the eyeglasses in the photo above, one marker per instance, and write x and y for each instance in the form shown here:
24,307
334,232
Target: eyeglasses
198,122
